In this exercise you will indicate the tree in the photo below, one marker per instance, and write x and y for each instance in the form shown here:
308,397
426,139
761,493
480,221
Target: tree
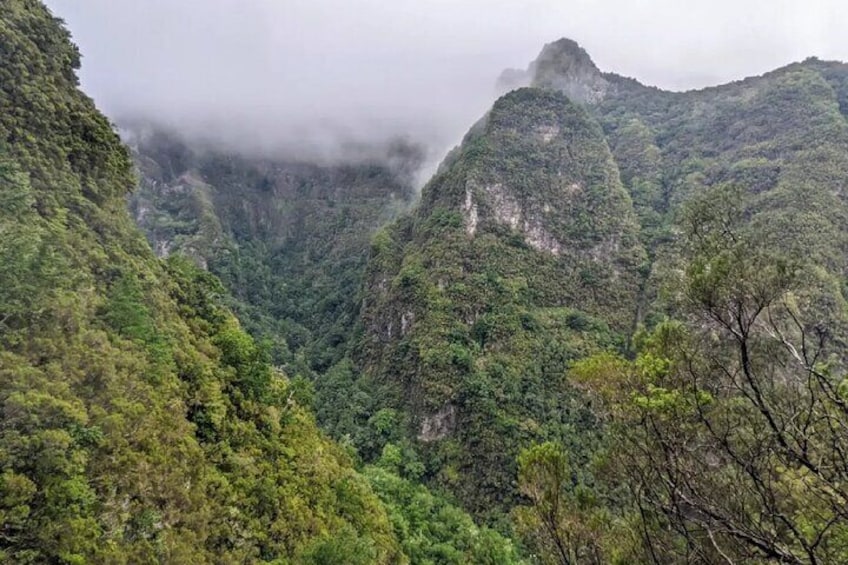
730,425
564,522
542,473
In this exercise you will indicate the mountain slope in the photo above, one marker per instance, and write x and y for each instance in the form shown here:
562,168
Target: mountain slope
526,252
522,255
781,139
138,422
538,273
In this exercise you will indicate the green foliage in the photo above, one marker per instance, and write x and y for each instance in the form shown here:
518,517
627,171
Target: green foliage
700,421
26,257
58,139
343,546
140,423
525,302
566,521
433,531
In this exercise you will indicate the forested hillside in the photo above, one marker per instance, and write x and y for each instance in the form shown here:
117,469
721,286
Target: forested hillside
139,422
633,302
522,256
613,326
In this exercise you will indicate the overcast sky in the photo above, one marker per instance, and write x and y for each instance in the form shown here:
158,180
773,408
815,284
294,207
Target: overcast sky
314,71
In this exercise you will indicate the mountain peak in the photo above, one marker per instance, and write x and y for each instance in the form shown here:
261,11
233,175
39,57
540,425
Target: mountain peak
565,66
562,65
565,49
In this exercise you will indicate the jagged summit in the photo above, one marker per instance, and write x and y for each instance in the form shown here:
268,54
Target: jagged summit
562,65
565,66
565,47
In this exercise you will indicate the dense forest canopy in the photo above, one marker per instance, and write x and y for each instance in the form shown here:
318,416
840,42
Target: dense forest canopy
610,329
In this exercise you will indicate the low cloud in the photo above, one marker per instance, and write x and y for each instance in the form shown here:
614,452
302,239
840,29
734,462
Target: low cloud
310,77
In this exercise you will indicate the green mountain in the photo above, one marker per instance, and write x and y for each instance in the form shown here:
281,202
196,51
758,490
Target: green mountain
522,256
612,328
596,255
139,423
588,207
